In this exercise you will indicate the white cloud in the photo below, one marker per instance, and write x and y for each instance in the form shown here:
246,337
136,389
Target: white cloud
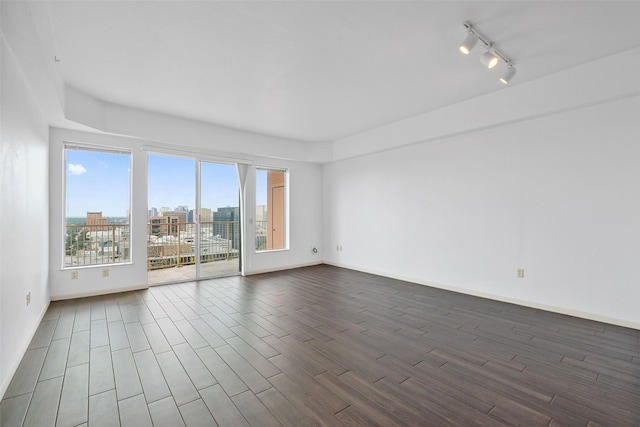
77,169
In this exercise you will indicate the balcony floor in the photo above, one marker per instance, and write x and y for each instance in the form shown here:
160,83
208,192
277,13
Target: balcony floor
188,272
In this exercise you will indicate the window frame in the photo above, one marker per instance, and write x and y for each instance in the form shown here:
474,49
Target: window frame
81,146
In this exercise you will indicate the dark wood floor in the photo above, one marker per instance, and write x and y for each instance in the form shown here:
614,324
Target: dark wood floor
320,346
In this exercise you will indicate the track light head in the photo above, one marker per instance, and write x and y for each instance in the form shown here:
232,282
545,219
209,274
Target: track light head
489,59
508,75
468,43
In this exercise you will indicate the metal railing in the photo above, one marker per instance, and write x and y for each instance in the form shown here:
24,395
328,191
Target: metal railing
261,235
96,244
168,244
173,244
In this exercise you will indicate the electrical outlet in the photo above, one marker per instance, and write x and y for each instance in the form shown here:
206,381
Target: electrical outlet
28,297
105,272
340,248
74,275
521,273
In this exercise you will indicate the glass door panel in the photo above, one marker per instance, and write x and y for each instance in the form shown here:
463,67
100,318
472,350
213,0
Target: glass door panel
171,226
219,220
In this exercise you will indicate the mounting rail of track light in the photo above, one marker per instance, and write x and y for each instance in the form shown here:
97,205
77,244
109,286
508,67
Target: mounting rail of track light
491,57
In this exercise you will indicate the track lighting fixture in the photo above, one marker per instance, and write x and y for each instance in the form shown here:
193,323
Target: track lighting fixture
491,57
508,75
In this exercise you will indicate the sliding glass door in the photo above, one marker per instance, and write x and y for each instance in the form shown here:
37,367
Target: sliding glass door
193,221
219,223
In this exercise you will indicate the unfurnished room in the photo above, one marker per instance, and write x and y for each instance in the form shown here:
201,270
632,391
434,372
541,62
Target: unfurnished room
319,213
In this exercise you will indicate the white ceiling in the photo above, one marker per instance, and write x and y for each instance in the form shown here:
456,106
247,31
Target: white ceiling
319,71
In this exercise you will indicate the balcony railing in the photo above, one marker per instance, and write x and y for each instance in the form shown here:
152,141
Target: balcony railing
96,244
173,244
261,235
168,244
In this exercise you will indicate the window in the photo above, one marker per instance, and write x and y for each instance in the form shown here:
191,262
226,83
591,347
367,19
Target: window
271,209
97,205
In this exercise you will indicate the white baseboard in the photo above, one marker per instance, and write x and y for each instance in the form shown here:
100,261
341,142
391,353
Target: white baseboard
288,267
16,363
530,304
98,292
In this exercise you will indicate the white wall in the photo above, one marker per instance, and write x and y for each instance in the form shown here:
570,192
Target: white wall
305,215
305,219
24,227
557,195
163,128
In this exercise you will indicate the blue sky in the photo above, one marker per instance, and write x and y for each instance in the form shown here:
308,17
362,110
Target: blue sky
172,182
261,187
98,181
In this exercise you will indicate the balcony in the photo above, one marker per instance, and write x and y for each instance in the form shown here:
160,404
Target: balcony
170,245
173,244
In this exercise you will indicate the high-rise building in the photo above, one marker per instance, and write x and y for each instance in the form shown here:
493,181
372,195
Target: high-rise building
225,224
226,214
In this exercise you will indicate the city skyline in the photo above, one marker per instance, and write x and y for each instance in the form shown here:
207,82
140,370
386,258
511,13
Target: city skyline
98,181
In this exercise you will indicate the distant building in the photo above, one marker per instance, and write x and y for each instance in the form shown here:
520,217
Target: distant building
181,215
164,225
182,208
205,215
226,214
225,224
96,222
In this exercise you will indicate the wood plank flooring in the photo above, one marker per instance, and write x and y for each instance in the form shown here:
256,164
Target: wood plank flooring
320,346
